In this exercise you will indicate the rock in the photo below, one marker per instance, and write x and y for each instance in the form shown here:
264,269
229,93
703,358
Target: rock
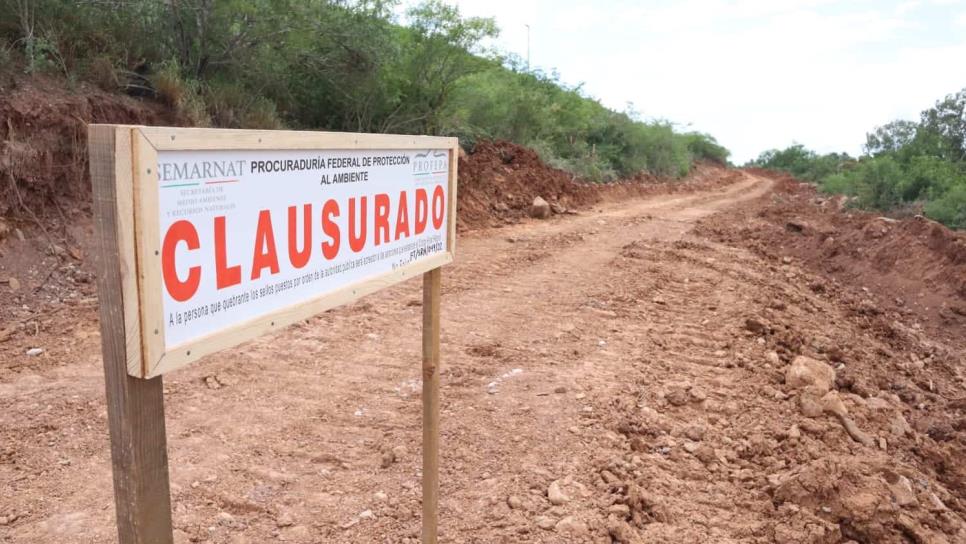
226,519
571,526
772,357
14,283
677,396
212,382
794,432
832,404
388,458
695,432
622,532
935,504
380,496
619,509
609,477
696,394
560,390
809,402
555,494
544,522
835,354
514,502
540,209
807,372
399,452
366,514
33,352
755,326
901,489
705,454
284,519
898,426
557,208
857,434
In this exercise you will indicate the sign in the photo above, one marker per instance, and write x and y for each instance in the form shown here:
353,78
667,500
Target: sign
206,238
239,233
245,234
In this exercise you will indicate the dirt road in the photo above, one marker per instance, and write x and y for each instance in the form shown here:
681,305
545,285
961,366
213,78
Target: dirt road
600,383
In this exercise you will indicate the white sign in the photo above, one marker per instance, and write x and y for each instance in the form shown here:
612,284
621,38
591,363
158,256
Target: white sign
247,233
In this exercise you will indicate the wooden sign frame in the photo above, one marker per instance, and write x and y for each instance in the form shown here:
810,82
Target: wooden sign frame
124,178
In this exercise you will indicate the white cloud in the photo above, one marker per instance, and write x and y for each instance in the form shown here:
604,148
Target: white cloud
754,73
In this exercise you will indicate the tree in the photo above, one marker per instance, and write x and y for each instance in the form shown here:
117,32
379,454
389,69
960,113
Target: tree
947,119
890,138
440,50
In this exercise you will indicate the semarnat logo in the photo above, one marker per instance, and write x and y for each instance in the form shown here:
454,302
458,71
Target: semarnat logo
430,162
188,171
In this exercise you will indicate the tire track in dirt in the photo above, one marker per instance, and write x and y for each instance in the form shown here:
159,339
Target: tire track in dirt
588,351
316,425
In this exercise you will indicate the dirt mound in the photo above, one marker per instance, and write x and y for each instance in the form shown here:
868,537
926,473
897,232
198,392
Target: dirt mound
43,142
499,180
910,266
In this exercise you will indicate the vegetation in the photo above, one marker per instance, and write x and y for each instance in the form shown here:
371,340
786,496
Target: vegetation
906,165
338,65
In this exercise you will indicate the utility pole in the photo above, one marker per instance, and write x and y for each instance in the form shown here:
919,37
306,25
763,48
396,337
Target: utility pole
528,47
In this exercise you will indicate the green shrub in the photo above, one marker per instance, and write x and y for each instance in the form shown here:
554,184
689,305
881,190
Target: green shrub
182,94
876,183
101,72
341,65
704,146
839,183
233,106
949,208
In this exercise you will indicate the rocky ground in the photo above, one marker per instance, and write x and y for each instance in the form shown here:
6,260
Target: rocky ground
680,367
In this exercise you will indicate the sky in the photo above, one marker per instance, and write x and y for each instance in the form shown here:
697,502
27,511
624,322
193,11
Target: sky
755,74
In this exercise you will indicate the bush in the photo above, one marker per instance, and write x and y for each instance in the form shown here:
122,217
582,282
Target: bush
876,183
839,183
182,94
233,106
949,208
704,146
101,72
341,65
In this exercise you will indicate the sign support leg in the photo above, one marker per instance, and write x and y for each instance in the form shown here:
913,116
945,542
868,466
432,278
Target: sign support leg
135,407
431,299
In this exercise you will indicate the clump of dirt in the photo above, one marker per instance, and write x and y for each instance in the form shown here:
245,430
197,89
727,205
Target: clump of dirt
790,406
910,267
45,203
498,181
43,142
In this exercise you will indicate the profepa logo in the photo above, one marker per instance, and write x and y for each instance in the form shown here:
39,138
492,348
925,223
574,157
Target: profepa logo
430,162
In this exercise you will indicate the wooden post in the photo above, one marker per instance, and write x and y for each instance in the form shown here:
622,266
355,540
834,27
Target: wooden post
135,407
431,298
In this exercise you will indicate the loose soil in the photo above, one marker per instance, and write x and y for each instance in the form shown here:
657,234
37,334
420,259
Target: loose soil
731,358
618,362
